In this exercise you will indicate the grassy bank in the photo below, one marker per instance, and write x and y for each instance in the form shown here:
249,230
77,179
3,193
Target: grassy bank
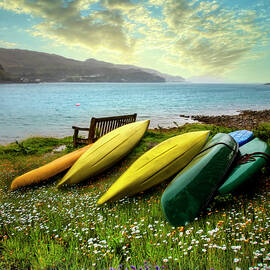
45,228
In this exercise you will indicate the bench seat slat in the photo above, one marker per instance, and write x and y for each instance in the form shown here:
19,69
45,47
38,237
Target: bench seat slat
101,126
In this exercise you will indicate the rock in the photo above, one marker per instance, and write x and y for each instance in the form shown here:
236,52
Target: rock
60,148
247,119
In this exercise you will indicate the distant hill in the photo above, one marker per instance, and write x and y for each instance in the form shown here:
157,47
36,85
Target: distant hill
31,66
4,76
167,77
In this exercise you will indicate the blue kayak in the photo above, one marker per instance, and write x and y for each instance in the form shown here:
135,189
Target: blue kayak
242,136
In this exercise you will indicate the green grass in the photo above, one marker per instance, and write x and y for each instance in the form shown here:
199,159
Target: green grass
263,132
42,227
36,145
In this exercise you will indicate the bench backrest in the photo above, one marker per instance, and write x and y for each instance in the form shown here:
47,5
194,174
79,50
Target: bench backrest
101,126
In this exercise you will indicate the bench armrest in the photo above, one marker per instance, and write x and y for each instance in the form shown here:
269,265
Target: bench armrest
79,128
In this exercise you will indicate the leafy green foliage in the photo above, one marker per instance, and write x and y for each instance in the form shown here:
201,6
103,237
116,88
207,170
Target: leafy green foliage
263,131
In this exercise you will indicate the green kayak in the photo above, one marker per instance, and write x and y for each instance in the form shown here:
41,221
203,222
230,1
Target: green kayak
193,188
254,156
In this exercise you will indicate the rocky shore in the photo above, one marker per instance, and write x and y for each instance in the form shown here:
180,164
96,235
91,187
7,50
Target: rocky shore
244,120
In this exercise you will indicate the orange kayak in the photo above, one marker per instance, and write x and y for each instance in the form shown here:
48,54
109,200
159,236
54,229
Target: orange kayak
51,169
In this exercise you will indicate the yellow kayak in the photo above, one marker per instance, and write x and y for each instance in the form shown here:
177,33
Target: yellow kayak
157,165
105,152
49,170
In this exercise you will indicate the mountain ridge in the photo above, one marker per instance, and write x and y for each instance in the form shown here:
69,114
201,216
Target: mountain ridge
33,66
167,77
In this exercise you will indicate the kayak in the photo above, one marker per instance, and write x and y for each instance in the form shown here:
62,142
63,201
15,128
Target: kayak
156,165
49,170
105,152
242,136
193,188
248,165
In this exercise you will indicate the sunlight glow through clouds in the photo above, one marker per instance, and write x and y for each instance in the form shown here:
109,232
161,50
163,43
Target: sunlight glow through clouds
195,37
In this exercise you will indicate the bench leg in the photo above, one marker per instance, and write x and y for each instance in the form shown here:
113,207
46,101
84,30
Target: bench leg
75,136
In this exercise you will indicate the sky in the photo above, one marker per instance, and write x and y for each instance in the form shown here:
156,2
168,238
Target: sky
222,40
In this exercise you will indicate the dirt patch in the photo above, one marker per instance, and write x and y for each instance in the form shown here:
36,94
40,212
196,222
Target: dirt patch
151,145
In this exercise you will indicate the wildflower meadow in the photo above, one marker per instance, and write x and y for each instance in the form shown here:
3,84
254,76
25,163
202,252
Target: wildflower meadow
42,227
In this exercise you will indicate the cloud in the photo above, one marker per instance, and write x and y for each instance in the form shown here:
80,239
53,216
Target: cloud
177,12
118,4
6,44
65,24
201,36
210,38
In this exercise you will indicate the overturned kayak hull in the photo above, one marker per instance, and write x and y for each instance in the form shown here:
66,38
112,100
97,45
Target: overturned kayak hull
193,187
242,136
244,171
49,170
105,152
156,165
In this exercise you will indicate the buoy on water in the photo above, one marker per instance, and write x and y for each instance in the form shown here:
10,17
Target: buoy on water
78,104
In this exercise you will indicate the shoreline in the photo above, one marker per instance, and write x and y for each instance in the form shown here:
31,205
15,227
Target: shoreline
49,109
246,119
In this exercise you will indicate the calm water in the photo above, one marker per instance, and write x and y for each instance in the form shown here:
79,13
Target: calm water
50,109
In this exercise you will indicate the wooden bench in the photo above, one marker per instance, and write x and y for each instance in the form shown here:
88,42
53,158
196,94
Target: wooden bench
101,126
